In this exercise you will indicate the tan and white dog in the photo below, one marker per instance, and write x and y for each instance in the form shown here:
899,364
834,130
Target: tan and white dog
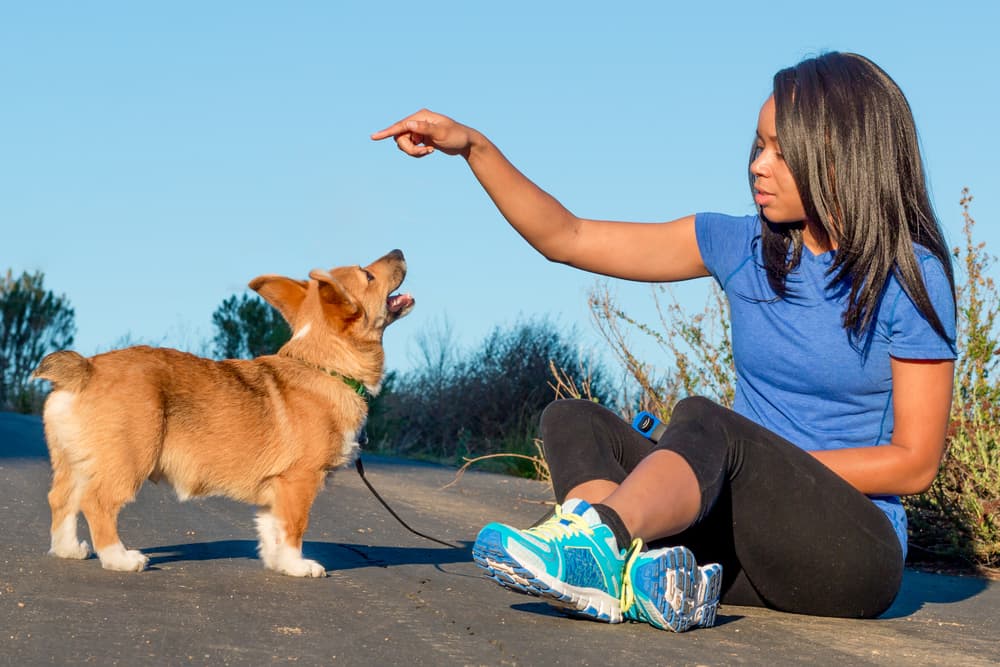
263,431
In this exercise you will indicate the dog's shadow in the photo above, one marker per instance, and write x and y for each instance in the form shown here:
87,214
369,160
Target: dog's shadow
332,555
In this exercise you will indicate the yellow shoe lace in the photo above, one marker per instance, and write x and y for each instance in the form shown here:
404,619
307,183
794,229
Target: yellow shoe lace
561,525
627,598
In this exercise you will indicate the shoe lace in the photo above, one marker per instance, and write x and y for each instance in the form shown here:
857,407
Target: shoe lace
561,525
627,598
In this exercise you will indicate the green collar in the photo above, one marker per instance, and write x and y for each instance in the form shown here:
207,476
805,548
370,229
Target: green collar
354,384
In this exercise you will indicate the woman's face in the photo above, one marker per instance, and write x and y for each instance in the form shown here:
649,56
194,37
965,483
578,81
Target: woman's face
775,191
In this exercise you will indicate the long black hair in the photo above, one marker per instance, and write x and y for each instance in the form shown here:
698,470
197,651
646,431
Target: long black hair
848,137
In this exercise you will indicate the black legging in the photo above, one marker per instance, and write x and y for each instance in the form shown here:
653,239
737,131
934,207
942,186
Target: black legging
789,533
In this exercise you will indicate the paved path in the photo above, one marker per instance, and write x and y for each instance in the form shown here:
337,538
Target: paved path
391,598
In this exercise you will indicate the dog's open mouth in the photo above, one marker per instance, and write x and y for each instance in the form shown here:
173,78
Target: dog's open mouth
399,304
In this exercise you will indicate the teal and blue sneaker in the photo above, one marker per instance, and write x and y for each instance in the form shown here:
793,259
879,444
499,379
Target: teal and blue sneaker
706,603
572,561
667,589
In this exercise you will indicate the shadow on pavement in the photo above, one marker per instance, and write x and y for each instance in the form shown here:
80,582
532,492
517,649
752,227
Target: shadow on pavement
332,555
22,437
921,588
545,609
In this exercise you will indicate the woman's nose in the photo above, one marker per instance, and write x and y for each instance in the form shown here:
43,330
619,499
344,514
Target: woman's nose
759,166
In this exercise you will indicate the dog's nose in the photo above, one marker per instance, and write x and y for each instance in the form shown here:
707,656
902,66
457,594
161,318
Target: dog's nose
397,254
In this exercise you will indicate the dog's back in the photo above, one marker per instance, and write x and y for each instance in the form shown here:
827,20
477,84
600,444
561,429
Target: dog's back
207,427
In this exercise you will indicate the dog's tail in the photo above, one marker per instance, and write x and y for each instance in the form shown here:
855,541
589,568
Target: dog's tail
65,369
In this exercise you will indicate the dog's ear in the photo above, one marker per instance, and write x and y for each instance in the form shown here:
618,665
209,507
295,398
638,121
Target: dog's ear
333,293
283,293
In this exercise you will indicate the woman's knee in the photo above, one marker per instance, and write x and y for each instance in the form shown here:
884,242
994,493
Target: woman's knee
578,443
563,407
555,425
694,407
565,415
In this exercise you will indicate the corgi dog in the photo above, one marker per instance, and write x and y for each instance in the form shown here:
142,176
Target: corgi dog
263,431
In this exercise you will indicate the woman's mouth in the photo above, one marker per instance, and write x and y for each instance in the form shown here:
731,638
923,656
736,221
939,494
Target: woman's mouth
762,198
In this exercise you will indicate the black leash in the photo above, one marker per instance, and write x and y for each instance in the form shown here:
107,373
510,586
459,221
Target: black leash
361,471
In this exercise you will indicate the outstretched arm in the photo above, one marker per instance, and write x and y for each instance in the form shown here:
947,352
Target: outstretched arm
652,252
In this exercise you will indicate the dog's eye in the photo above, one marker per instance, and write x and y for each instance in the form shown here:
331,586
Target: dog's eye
368,274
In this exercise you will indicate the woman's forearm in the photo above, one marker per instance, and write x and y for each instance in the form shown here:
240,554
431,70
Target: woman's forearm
536,215
890,469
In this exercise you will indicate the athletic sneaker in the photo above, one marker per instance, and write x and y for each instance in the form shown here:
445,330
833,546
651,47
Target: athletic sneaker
667,589
572,560
706,602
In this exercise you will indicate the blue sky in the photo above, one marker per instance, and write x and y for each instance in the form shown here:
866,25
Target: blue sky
156,157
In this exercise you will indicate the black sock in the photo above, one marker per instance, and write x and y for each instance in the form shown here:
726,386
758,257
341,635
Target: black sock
615,523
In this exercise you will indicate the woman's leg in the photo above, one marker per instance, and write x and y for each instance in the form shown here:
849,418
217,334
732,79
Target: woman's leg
594,455
583,558
588,446
789,533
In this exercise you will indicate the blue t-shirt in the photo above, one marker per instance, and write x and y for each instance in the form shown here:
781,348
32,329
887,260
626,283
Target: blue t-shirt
798,371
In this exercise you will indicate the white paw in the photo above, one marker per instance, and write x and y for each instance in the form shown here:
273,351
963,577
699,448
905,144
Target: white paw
279,556
302,567
122,560
75,550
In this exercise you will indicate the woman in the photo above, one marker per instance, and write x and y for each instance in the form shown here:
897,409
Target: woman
843,323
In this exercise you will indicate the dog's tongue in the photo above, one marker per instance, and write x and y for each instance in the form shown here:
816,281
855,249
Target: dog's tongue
398,302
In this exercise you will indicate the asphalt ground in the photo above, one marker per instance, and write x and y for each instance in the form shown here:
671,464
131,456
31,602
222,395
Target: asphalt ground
390,597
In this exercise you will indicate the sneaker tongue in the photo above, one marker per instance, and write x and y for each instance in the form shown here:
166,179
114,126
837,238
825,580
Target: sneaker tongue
583,509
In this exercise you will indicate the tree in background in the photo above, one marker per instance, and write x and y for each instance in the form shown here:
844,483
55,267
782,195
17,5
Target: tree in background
33,322
246,327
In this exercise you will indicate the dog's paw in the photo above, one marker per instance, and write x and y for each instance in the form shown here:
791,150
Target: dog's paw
302,567
120,559
75,550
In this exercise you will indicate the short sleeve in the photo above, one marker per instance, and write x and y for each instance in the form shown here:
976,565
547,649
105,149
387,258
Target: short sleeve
911,334
725,242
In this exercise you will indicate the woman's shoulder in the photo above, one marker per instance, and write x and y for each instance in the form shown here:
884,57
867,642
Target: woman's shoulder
727,220
928,261
911,332
725,241
933,271
725,231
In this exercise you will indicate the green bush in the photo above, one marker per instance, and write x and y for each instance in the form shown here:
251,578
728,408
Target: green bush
459,406
959,517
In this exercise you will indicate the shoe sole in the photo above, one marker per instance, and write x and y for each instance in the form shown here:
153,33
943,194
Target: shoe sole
490,554
706,602
669,586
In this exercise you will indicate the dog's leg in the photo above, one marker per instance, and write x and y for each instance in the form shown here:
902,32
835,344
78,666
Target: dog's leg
281,529
278,554
64,501
101,504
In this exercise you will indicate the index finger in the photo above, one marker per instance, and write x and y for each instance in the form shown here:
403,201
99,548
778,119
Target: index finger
402,127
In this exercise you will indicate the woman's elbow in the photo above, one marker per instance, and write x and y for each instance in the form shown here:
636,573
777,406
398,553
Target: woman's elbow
921,479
